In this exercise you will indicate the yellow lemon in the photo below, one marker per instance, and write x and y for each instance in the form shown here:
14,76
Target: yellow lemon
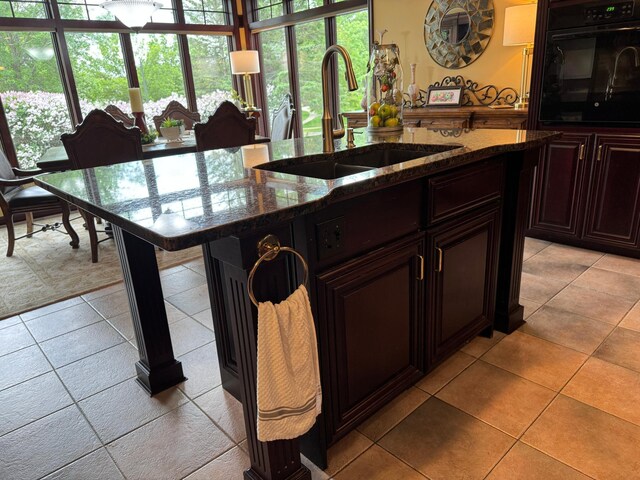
375,121
373,108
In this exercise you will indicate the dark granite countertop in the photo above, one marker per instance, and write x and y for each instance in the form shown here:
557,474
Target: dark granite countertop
180,201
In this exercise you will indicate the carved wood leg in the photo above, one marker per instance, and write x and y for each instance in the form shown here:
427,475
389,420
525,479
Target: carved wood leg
11,234
29,218
90,224
509,312
75,241
157,369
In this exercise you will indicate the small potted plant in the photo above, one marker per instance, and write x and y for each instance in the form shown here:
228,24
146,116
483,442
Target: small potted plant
172,129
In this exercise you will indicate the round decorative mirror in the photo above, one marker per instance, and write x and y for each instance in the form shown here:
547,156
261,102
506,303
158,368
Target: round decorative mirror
454,26
456,32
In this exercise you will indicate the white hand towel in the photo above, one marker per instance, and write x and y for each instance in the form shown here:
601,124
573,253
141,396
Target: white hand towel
288,389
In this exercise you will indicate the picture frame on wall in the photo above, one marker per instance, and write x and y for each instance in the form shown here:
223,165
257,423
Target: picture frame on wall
444,97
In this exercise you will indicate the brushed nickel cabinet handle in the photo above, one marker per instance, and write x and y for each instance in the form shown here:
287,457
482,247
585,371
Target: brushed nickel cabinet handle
439,263
599,156
581,152
421,276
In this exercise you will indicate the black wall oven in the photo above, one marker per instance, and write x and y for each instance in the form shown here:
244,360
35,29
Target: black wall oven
591,69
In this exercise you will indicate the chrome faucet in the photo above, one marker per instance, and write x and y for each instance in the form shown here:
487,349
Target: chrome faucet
328,132
612,79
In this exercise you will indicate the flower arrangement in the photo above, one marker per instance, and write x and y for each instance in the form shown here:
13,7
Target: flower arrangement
148,138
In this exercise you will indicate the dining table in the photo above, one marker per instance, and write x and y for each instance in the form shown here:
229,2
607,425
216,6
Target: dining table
55,158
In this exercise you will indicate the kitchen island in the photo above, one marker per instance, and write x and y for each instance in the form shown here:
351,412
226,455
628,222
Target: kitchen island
413,251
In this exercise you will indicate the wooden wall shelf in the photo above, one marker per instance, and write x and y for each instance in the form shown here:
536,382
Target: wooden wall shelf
452,117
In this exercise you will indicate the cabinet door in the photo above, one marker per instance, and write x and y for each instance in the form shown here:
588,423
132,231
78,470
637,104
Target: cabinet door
369,317
461,280
613,213
559,185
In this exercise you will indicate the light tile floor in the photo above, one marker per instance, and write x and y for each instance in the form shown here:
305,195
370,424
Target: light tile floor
556,400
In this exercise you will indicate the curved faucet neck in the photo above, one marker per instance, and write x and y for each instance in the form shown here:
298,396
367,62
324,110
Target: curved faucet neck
328,133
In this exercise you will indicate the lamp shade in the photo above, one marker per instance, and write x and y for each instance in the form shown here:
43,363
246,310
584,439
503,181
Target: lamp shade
519,24
244,61
133,13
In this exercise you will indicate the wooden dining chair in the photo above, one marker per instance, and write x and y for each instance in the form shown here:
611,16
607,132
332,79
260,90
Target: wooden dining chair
18,196
100,140
228,127
283,118
177,111
118,114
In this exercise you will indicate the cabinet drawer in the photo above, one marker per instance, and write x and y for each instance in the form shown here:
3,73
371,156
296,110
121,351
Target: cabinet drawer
493,122
463,189
439,122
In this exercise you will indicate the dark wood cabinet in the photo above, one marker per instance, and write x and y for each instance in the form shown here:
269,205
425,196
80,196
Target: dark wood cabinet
371,321
587,193
463,258
559,183
613,206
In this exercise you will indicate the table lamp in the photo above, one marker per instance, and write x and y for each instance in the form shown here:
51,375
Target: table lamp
246,62
519,29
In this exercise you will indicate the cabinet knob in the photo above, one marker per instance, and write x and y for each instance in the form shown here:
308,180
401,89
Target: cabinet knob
581,152
599,155
421,275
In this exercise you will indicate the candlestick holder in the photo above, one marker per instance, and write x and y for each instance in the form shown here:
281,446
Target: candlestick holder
140,122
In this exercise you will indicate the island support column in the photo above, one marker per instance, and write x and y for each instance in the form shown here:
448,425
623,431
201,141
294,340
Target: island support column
229,262
517,197
157,368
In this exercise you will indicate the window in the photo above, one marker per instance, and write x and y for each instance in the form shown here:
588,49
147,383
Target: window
211,71
98,69
32,95
275,70
205,12
159,71
311,46
266,9
353,34
302,5
21,9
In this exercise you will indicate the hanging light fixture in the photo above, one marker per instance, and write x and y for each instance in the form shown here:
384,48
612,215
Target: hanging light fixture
133,13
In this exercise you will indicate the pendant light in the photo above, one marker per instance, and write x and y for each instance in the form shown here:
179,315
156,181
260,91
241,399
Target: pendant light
133,13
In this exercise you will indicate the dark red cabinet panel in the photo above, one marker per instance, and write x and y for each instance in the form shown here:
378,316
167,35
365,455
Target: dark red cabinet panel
559,183
613,213
370,310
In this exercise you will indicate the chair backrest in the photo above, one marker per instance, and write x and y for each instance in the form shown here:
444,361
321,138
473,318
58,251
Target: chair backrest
227,127
283,116
102,140
177,111
118,114
6,173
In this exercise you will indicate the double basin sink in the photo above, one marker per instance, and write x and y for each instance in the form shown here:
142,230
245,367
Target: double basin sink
349,162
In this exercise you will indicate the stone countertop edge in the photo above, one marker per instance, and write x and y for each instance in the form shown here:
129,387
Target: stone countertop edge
337,190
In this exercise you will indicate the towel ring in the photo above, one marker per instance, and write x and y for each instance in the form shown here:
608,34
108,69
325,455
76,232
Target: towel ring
268,249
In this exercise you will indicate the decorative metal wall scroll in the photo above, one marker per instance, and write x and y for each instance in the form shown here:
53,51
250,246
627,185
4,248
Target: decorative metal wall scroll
456,32
472,93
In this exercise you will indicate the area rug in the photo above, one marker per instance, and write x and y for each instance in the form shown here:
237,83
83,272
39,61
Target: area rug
44,269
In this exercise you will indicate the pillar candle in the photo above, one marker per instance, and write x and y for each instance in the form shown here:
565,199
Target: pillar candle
136,100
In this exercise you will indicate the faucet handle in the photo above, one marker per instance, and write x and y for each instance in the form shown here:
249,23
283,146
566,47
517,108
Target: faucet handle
350,140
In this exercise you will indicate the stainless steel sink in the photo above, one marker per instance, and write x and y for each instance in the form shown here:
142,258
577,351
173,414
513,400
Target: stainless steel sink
349,162
325,169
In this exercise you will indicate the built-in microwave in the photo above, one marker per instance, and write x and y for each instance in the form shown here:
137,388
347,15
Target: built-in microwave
591,70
